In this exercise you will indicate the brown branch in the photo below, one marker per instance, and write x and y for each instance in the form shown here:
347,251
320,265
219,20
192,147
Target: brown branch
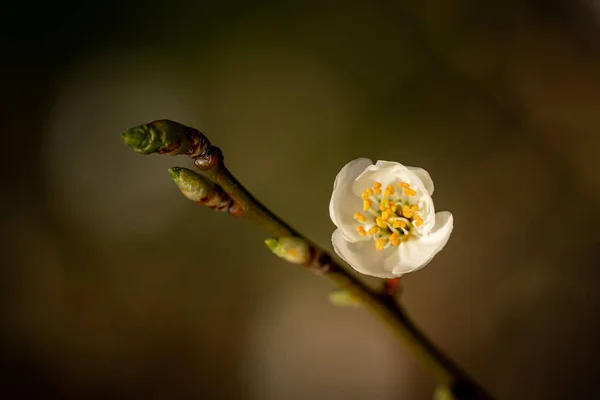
224,192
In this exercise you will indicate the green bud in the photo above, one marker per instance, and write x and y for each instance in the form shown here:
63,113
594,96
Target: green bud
193,186
290,248
199,189
164,136
141,139
442,392
343,297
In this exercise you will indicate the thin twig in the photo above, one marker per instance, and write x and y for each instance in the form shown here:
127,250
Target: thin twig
168,137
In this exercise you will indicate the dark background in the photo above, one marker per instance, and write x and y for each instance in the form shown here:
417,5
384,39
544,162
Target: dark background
114,286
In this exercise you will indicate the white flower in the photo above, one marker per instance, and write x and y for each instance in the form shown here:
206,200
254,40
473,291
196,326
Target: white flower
387,225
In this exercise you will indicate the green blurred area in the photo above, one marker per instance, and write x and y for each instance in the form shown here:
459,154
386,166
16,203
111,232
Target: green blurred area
115,286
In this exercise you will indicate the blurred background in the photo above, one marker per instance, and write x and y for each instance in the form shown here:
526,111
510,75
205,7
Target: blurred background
115,286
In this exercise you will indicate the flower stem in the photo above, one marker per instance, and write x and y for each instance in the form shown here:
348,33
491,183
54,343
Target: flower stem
169,137
392,287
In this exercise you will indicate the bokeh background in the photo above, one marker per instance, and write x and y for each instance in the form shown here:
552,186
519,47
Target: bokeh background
115,286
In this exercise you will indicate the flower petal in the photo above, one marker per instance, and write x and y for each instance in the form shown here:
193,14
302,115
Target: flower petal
343,203
421,173
427,212
388,172
361,256
387,164
425,178
376,173
415,254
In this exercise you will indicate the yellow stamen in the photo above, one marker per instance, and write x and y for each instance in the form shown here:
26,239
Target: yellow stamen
389,190
359,217
388,217
407,212
418,220
384,205
399,224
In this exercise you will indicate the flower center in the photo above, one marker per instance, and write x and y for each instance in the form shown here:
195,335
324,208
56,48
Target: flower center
390,215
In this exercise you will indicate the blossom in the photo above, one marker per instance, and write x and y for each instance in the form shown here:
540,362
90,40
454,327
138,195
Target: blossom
387,225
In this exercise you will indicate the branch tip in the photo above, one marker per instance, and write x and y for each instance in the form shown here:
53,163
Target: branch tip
166,137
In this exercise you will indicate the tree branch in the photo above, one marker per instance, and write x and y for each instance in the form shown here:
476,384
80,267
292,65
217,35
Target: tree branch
222,191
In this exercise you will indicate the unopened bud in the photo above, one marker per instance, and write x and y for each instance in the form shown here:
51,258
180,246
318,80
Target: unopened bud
442,392
199,189
290,248
343,297
165,137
